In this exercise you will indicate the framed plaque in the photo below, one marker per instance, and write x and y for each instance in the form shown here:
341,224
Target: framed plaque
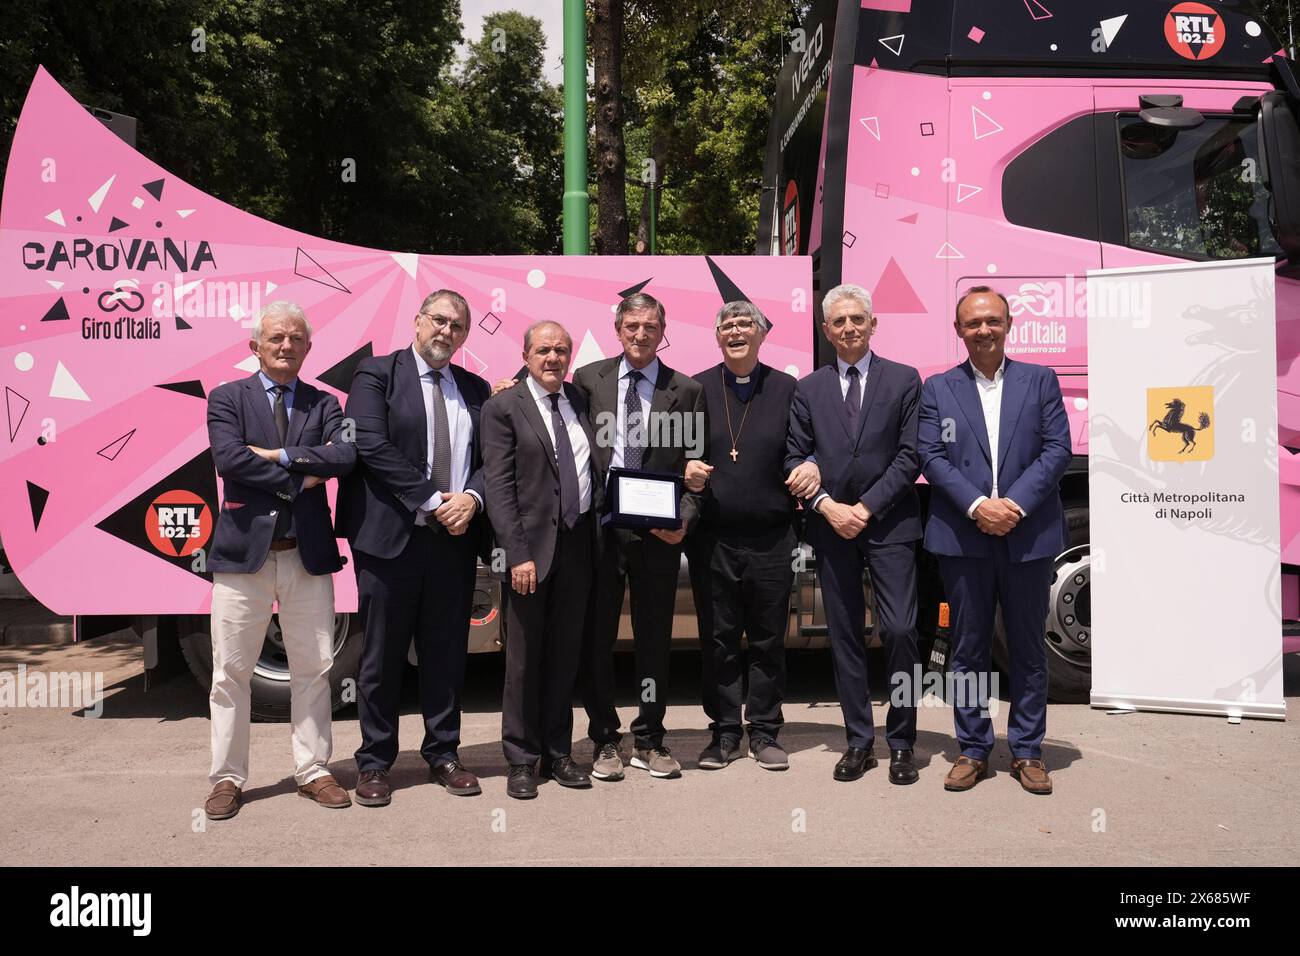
639,500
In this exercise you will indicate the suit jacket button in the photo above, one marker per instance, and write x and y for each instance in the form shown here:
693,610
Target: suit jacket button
272,514
552,521
557,492
966,464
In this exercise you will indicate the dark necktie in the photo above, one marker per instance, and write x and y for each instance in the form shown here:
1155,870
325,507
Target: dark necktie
853,400
633,427
569,502
284,516
440,431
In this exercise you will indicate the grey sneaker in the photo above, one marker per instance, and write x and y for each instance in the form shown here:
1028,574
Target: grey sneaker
721,752
607,763
768,753
658,760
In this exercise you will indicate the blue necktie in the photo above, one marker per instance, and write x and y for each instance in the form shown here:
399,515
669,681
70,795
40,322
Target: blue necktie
564,461
853,400
633,427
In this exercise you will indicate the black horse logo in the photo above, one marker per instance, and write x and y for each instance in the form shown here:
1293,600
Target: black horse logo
1173,423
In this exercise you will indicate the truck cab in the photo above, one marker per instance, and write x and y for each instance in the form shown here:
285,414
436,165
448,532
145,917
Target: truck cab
920,147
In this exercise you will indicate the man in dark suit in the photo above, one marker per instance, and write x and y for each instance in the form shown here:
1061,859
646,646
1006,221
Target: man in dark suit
412,512
542,499
995,442
853,431
275,441
649,417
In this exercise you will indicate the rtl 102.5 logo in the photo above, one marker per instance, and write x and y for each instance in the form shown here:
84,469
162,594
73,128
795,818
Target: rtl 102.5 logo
178,523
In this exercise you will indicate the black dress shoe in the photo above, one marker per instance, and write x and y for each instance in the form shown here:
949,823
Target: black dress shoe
902,770
565,772
455,778
854,764
522,784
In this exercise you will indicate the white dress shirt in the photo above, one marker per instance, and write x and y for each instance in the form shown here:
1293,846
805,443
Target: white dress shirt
460,429
990,390
645,389
577,438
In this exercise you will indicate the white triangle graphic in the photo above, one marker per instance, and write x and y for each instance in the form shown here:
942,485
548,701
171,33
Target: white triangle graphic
975,115
55,283
407,260
97,199
184,213
964,191
250,364
479,366
588,351
271,287
56,217
65,386
1110,28
872,123
948,252
894,44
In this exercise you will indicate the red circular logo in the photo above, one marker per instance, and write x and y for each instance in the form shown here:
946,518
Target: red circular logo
178,523
1194,30
790,220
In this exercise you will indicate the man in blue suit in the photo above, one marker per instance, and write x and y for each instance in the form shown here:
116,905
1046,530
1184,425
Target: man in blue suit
853,433
275,441
413,513
994,442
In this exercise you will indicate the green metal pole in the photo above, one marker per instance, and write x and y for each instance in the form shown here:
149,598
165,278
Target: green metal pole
576,227
654,216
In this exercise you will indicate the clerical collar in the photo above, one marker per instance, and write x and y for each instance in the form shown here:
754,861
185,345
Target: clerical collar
733,379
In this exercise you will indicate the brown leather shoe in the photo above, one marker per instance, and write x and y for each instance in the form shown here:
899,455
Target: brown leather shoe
456,779
373,789
327,792
223,802
965,773
1032,776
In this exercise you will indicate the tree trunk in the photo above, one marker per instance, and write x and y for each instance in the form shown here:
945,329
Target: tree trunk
611,164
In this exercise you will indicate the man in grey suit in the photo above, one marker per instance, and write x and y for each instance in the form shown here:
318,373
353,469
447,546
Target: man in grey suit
646,417
542,497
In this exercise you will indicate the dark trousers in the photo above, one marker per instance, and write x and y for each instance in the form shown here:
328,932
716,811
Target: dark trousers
975,587
425,594
543,647
648,568
840,567
742,586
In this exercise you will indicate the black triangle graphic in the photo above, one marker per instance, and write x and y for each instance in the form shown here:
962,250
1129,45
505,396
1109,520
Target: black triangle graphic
128,522
339,375
58,312
154,188
182,325
36,497
332,282
117,444
117,224
1196,46
633,290
729,291
194,388
11,399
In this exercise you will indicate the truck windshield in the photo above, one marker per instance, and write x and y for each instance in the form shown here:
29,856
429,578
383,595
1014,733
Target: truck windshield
1196,193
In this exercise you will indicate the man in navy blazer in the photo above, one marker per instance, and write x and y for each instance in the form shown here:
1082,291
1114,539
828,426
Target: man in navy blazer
994,442
413,513
275,441
851,454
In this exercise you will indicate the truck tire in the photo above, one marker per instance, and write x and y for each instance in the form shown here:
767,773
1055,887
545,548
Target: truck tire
270,683
1068,630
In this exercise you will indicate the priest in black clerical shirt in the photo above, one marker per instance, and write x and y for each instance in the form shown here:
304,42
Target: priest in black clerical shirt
741,552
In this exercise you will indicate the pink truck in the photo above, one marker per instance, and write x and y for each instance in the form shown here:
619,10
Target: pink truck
920,147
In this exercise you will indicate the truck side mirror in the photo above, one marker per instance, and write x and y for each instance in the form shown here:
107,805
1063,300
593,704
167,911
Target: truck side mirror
1280,139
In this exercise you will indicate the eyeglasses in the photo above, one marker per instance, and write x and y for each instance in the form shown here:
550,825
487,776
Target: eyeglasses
737,325
440,320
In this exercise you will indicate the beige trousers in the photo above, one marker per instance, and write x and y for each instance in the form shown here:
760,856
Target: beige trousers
241,611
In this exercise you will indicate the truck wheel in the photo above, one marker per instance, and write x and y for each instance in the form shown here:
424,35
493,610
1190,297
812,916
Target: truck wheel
1068,629
270,683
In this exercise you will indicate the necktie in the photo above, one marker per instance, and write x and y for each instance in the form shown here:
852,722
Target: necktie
440,431
283,514
568,469
853,400
633,427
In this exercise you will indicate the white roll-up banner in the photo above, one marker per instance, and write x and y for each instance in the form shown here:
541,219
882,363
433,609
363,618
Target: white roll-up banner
1183,489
